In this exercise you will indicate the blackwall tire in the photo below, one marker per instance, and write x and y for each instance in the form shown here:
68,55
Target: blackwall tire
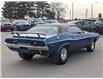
61,56
91,47
26,56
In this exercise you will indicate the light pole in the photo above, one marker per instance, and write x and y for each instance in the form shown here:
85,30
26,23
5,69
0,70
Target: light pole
70,14
92,8
102,8
91,11
72,10
86,14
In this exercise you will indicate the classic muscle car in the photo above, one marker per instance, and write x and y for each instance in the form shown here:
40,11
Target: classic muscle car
52,40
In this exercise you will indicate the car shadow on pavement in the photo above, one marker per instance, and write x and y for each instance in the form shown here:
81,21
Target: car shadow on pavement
43,64
75,56
79,55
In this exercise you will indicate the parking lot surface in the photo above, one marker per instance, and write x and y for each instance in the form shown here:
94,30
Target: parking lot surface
80,63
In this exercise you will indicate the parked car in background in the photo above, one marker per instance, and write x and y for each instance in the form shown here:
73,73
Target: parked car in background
84,25
6,25
53,40
50,21
99,25
21,25
91,20
35,21
99,21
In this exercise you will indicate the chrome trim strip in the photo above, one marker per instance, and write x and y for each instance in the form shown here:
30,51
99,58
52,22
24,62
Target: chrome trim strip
29,47
74,39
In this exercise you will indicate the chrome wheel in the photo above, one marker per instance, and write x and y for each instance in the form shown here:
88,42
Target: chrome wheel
26,56
92,45
63,54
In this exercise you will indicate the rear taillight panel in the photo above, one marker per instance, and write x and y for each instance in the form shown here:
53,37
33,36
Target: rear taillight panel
38,43
25,42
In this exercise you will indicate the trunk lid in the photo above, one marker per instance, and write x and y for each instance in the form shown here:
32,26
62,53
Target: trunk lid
35,39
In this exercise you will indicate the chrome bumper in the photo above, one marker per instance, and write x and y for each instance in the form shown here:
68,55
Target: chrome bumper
28,47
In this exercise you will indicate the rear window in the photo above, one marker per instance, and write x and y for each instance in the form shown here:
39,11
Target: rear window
46,29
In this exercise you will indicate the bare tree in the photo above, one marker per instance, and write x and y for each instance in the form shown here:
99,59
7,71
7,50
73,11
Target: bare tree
58,9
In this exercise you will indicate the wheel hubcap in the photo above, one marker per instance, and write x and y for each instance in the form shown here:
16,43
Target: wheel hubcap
92,45
64,54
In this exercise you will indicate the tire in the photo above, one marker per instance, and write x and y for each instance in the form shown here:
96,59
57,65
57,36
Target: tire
26,56
93,30
11,29
50,56
91,47
61,56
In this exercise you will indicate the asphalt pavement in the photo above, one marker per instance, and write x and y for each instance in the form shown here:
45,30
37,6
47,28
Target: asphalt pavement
80,64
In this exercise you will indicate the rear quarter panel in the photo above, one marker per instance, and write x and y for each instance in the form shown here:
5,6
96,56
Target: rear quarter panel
55,42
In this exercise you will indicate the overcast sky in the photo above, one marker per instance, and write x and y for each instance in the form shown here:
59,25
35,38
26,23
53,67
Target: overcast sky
80,7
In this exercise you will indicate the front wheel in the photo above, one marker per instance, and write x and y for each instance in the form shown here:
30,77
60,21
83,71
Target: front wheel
26,56
61,56
91,47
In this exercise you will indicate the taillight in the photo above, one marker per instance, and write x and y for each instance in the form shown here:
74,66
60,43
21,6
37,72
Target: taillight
34,43
38,43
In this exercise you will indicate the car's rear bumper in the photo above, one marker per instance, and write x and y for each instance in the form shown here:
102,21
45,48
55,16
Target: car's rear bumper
24,48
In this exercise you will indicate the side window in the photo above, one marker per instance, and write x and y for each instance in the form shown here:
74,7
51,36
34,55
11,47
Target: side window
74,30
80,23
77,23
89,22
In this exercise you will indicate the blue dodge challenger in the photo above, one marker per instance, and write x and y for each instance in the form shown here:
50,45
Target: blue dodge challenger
52,40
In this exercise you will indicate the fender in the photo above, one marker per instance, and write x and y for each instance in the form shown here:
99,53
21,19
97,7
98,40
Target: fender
63,45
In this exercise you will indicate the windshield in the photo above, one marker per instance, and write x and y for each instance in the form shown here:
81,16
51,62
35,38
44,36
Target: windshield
20,21
37,20
50,21
72,22
4,20
46,29
34,20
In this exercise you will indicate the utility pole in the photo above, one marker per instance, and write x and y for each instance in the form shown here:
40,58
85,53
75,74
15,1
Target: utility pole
86,14
91,11
70,14
72,11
